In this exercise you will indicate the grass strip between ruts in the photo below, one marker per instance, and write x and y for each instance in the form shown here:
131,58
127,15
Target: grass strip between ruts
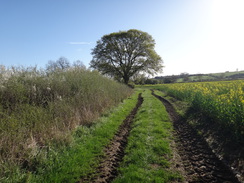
82,158
148,151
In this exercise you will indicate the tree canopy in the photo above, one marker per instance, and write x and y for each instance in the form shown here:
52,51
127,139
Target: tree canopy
125,53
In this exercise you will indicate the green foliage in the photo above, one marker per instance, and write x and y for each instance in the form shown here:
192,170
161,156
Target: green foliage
38,111
125,53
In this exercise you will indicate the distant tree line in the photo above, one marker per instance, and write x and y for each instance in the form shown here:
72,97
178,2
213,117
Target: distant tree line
185,77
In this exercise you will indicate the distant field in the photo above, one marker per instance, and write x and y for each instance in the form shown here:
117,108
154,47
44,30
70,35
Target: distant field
185,77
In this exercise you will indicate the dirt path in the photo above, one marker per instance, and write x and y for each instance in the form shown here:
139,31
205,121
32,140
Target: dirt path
200,163
114,152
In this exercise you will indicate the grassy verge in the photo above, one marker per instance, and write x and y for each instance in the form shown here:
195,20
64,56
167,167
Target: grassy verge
69,164
148,151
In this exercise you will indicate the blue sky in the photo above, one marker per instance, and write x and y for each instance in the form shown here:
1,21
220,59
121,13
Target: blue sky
194,36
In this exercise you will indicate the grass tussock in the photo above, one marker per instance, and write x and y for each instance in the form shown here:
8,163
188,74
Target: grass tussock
38,110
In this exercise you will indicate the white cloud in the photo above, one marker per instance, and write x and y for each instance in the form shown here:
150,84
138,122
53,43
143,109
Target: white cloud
79,50
80,43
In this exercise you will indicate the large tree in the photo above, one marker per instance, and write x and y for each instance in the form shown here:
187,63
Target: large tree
125,53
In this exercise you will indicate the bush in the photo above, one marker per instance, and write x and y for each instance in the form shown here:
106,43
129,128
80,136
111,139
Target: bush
39,109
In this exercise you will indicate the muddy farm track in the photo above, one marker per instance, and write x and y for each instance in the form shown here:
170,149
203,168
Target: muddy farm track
200,163
114,152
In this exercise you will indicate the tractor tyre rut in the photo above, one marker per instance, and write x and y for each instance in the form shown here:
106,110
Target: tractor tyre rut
199,161
114,152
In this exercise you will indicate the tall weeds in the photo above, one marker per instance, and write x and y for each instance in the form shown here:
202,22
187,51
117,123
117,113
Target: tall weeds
39,109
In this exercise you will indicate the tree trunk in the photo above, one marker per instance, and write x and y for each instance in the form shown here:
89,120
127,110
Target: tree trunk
126,79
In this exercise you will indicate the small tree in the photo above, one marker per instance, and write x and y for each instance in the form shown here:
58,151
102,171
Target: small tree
60,65
125,53
185,76
78,64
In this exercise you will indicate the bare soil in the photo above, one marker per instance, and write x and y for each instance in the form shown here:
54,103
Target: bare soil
200,163
114,152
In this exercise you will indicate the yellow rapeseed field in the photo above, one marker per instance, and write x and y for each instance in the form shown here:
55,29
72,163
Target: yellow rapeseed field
222,101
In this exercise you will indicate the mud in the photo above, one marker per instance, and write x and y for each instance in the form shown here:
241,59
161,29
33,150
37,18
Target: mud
114,152
199,161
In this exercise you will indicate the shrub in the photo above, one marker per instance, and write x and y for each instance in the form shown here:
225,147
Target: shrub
39,109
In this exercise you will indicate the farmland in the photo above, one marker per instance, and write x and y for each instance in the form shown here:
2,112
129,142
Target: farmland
61,127
216,111
185,77
222,102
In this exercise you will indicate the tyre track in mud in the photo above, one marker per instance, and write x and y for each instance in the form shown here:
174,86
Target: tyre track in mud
199,161
114,152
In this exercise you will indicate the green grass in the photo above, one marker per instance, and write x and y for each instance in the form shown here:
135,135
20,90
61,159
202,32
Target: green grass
148,152
180,106
71,163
